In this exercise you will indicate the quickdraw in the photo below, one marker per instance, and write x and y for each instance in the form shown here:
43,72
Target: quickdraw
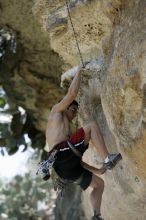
45,165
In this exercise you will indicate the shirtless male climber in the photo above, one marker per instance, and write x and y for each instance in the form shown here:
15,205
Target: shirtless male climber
68,165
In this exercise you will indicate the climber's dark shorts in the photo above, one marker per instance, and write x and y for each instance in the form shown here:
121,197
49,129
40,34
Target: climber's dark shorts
68,165
85,179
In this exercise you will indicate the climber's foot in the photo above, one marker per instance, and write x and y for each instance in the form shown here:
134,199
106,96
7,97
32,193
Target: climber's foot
112,160
97,217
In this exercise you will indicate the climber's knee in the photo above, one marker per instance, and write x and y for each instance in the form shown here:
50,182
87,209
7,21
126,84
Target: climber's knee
88,128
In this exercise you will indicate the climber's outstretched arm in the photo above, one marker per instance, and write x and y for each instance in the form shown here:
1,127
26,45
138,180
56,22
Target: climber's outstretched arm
71,94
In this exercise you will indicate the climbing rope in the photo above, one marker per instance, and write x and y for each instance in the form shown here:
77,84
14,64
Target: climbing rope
75,35
79,51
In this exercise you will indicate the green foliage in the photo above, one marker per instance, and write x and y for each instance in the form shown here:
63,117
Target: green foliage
20,199
13,130
16,124
2,102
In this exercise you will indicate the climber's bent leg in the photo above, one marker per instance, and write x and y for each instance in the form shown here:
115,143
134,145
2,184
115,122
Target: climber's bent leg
96,195
93,134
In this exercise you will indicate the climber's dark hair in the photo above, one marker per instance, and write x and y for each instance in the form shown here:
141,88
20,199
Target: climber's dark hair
74,102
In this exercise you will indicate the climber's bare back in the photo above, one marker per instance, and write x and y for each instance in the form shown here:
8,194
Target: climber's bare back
57,129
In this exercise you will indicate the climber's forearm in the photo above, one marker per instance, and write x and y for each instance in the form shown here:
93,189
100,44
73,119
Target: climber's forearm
75,85
90,168
93,169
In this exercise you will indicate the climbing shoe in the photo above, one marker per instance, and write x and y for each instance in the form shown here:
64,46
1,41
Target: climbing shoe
112,160
97,217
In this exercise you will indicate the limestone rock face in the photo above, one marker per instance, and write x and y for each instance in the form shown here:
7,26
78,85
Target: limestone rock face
70,206
31,76
124,86
91,31
114,32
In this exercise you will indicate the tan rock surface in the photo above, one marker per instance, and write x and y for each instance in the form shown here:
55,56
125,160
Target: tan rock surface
115,32
31,76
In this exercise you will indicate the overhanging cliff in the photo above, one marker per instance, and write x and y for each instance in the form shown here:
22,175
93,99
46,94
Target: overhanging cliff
114,33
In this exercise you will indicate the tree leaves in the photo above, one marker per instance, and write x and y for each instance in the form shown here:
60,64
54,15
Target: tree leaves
21,198
2,102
